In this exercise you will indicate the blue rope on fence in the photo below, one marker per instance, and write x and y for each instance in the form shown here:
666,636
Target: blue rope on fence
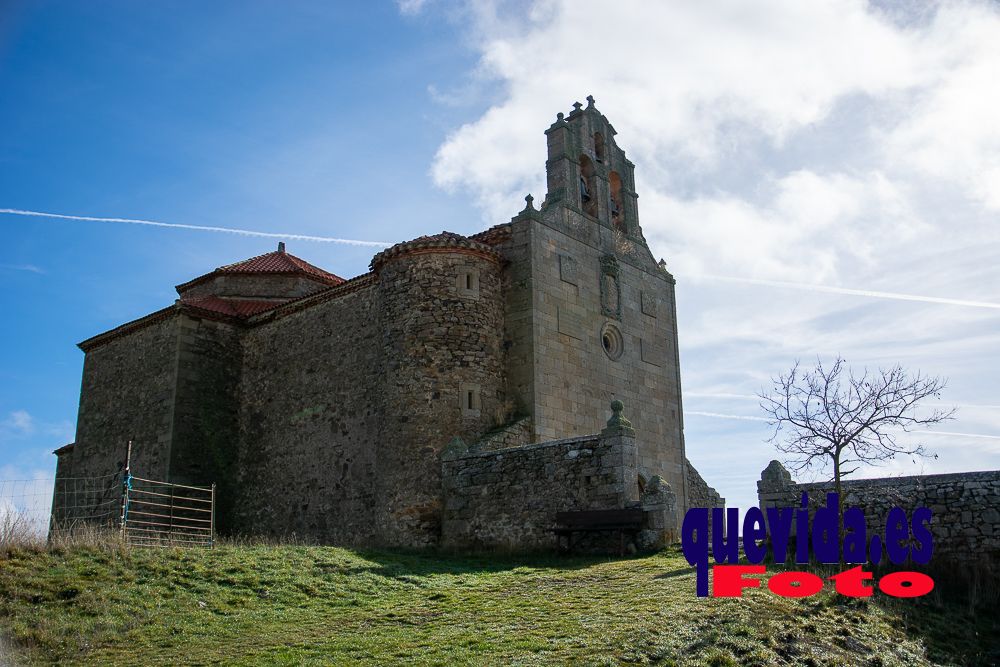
128,487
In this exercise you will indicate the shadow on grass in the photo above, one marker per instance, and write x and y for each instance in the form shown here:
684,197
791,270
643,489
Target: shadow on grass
952,635
404,563
676,573
958,622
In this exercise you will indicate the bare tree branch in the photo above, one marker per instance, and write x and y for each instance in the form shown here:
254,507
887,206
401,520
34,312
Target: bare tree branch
832,417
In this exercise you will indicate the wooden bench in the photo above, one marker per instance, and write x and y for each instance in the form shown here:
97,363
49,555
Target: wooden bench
597,521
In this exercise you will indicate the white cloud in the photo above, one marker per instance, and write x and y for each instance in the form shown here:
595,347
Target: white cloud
952,132
20,422
831,143
680,80
411,7
865,293
25,502
695,90
810,227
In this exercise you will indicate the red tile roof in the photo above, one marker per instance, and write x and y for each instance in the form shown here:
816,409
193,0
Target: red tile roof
231,307
278,262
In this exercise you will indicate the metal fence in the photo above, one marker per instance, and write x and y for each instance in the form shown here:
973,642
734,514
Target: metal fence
161,514
85,502
145,512
24,509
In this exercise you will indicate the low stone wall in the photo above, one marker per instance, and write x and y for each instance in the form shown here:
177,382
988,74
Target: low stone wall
515,434
509,498
700,494
965,506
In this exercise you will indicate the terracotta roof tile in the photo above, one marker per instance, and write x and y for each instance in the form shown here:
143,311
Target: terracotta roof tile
445,240
277,262
232,307
494,235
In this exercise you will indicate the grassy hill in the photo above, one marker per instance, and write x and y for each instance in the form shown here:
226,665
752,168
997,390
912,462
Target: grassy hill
323,605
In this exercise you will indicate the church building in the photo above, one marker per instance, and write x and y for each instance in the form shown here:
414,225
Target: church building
458,393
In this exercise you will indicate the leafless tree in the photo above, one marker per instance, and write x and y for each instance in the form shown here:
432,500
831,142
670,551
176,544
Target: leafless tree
832,417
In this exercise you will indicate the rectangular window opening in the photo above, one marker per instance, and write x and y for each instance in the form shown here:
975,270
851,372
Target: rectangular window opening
467,285
469,399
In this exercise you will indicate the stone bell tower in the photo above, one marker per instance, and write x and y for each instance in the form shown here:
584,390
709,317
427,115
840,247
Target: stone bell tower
591,314
587,171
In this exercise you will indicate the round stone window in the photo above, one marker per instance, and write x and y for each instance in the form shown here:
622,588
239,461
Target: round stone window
611,341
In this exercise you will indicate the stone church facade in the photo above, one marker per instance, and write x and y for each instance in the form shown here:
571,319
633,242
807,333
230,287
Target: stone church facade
462,383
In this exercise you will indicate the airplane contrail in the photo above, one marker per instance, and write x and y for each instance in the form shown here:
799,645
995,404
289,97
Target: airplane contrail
853,292
384,244
755,397
709,394
719,415
960,435
201,228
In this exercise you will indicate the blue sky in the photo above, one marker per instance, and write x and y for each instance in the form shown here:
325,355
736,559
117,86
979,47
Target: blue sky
782,154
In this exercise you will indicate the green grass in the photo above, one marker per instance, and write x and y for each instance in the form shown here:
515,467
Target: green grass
290,605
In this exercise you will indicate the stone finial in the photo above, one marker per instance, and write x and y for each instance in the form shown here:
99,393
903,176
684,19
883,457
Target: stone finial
655,487
775,474
590,101
618,421
456,447
659,504
560,116
576,107
281,246
663,264
529,203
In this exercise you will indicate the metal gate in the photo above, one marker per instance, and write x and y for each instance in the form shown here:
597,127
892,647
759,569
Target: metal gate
161,514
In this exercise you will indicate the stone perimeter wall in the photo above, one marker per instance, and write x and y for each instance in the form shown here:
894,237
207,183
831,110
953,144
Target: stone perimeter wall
509,498
699,493
965,506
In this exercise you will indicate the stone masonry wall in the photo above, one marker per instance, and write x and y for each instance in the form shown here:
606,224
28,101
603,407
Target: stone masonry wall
573,378
509,498
440,342
128,394
310,422
515,434
519,326
700,494
592,277
253,286
206,410
965,506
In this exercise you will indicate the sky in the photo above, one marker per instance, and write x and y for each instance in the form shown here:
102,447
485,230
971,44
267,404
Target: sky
821,178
